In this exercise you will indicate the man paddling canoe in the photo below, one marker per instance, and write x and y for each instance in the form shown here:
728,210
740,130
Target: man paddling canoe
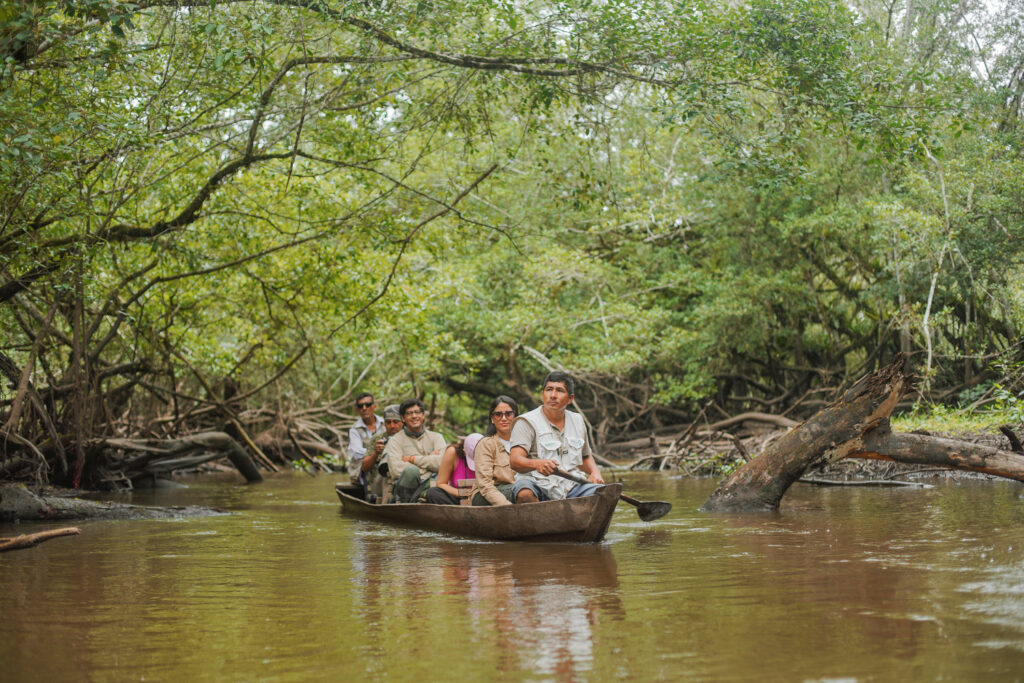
548,438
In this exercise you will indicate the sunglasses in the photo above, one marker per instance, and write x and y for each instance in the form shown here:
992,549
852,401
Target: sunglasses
500,414
364,405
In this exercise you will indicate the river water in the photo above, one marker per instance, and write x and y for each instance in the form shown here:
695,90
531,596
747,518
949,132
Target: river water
844,584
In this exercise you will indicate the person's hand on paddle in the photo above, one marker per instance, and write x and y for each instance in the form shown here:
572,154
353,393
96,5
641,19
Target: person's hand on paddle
545,467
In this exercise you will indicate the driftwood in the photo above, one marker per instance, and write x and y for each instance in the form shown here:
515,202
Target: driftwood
918,449
676,435
817,481
855,426
761,483
703,453
17,503
768,418
162,455
30,540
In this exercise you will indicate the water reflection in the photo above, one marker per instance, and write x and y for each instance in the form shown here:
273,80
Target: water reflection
653,538
842,584
531,607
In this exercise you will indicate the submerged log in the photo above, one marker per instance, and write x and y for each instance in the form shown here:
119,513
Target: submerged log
760,484
17,503
30,540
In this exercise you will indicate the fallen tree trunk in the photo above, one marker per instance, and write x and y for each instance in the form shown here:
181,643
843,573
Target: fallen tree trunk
918,449
760,484
17,503
155,450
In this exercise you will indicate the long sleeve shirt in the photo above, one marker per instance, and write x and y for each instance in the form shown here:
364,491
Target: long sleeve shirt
422,449
493,467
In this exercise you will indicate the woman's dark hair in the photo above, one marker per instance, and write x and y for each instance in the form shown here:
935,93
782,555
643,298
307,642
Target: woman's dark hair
491,429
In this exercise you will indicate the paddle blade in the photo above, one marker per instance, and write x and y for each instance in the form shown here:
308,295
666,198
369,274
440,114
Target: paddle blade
652,510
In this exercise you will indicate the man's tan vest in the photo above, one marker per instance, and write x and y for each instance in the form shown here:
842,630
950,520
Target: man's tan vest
567,450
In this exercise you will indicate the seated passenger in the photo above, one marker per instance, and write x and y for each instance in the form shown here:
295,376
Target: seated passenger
494,475
369,471
456,466
548,438
366,427
411,455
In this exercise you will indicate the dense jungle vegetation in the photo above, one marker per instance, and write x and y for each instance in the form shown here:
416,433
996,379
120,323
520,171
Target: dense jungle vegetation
243,213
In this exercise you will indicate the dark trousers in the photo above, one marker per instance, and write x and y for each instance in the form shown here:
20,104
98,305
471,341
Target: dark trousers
503,489
438,496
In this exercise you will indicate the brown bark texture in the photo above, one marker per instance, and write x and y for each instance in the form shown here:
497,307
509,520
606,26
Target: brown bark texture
29,540
760,484
163,455
18,503
920,449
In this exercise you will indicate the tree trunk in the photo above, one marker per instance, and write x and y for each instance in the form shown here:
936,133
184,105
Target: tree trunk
760,484
918,449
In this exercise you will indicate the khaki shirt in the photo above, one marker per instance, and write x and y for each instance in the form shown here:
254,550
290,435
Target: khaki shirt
493,467
403,444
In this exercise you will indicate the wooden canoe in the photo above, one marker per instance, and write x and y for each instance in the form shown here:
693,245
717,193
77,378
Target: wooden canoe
579,520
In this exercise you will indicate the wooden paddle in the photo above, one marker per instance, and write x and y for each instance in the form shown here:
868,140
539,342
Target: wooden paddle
648,511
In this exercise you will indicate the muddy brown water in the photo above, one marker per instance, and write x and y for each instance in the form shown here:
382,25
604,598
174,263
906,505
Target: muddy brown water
843,584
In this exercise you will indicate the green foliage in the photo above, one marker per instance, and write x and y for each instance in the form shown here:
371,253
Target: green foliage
689,201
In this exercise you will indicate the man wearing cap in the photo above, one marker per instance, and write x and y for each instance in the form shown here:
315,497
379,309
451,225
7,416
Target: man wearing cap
551,437
412,455
368,473
365,427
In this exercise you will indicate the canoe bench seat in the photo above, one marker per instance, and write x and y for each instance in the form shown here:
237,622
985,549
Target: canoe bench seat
465,486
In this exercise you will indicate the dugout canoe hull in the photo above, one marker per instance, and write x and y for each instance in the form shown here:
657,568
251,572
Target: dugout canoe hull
579,520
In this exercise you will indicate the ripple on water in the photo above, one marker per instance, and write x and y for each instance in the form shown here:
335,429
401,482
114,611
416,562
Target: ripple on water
842,585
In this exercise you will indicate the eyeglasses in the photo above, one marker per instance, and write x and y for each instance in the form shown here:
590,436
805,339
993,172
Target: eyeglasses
500,414
364,405
414,412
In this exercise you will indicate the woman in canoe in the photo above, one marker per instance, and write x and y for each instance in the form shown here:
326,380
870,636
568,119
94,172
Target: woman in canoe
494,475
456,464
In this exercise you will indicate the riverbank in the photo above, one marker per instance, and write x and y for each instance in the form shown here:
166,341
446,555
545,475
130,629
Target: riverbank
710,454
718,453
19,503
